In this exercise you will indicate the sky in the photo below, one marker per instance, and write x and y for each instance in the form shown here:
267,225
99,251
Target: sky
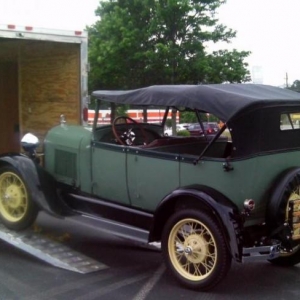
267,28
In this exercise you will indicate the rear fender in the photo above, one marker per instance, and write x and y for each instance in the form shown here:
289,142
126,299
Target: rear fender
41,185
203,198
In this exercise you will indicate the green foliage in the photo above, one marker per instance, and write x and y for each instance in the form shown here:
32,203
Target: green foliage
295,86
209,118
169,123
121,110
188,117
183,133
137,43
227,67
117,44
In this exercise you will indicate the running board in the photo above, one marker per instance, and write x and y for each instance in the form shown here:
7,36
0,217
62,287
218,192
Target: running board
261,253
115,228
50,251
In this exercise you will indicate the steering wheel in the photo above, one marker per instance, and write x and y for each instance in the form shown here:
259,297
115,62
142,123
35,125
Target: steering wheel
127,137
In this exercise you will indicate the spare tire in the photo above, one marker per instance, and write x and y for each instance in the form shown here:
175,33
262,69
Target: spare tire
287,188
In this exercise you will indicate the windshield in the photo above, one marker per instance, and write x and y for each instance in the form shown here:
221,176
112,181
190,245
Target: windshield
187,122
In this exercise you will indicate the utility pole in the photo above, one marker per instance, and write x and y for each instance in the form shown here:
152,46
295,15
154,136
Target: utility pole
286,80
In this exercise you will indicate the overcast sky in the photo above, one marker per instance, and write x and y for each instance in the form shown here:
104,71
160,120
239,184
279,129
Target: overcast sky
267,28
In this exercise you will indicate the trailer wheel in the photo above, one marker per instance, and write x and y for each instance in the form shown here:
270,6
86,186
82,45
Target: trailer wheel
287,190
17,210
195,250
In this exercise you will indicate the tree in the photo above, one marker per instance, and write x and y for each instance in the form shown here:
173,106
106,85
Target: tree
295,86
118,43
137,43
225,66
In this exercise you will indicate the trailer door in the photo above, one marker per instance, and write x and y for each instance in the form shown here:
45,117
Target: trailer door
9,108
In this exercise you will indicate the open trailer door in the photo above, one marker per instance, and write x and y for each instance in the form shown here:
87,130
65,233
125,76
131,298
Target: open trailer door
9,108
43,74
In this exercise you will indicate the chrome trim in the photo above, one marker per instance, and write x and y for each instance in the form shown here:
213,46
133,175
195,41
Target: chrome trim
261,253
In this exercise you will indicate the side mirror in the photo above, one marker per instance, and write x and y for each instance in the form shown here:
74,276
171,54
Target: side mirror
29,142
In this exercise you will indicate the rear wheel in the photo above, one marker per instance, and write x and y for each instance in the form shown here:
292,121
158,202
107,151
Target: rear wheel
195,250
17,211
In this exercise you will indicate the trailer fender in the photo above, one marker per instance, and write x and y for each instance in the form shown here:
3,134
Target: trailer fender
41,185
203,198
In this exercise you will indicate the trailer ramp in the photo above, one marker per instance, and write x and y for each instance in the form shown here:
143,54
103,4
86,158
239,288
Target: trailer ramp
50,251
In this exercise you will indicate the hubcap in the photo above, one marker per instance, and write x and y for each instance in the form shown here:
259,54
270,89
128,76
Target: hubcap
196,250
13,196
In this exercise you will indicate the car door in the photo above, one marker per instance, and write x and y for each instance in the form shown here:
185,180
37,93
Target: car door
151,176
109,172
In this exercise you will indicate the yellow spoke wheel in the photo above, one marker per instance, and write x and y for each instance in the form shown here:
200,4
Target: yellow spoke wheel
13,197
16,208
195,249
295,195
192,249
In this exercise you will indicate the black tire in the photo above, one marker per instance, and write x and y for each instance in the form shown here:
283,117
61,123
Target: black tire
287,189
17,210
195,250
287,259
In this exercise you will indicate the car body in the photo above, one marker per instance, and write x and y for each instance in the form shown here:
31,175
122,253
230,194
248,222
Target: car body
179,127
208,199
208,127
195,129
211,127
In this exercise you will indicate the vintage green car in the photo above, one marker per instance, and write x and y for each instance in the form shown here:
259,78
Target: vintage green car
208,199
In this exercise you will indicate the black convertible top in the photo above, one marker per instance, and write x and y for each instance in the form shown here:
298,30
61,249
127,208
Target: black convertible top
222,100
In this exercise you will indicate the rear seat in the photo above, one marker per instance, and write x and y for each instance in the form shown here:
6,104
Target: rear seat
189,146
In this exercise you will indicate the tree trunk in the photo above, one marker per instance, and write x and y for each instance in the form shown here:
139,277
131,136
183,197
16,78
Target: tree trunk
174,111
112,112
145,115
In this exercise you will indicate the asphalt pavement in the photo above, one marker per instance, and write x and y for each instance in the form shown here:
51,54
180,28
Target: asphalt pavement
132,272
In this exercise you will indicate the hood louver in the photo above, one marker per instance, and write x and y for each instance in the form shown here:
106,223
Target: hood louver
65,164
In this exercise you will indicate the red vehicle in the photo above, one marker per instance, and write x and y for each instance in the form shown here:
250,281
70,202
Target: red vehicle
208,128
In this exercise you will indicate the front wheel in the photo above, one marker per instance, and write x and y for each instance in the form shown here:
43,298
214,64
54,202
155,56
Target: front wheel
195,249
17,210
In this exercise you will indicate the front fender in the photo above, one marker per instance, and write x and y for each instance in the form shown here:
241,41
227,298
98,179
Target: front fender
204,198
40,184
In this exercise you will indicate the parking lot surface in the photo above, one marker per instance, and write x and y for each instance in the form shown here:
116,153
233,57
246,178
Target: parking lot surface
133,272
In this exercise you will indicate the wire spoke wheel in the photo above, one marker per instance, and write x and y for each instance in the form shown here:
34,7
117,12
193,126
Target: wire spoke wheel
195,249
17,211
14,199
192,249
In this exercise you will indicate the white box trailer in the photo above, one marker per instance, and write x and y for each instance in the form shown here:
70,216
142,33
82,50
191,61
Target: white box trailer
43,74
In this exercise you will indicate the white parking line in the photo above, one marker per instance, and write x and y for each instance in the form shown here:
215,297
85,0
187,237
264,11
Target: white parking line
146,289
